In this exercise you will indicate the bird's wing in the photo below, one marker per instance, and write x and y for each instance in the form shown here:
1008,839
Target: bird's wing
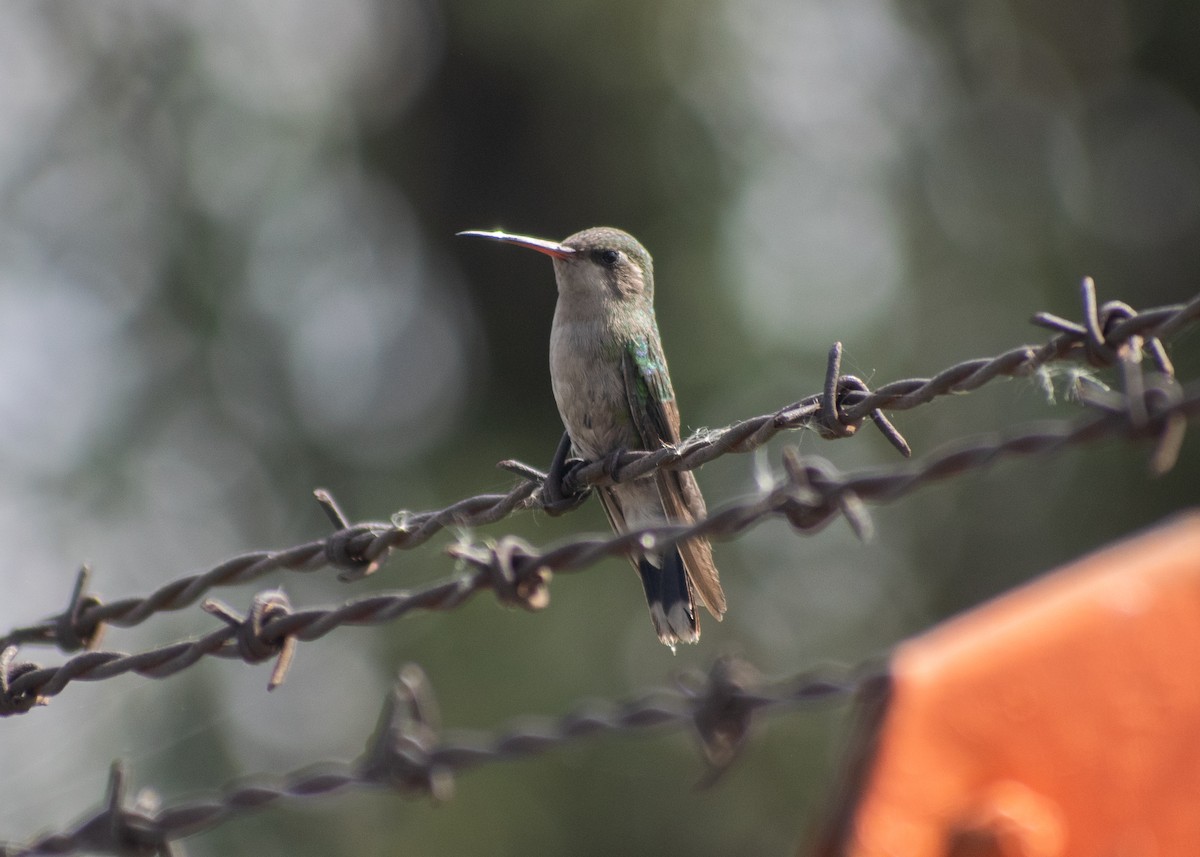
648,389
656,418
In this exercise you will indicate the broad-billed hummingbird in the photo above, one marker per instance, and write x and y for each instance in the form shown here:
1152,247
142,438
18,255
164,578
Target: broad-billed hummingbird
610,381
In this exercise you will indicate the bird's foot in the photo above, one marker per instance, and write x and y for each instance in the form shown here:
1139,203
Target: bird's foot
556,500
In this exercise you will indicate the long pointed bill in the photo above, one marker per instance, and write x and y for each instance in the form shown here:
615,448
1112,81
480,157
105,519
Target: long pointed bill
550,248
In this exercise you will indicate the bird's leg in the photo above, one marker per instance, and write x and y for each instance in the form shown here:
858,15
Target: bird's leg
554,494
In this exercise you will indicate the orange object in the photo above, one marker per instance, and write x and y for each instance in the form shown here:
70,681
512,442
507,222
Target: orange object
1059,720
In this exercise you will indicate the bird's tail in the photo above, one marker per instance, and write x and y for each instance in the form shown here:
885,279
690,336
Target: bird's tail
669,594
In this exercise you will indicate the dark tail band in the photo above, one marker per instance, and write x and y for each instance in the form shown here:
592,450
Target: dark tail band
672,609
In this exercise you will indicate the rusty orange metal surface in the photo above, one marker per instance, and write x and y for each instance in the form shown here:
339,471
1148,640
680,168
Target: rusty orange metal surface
1059,720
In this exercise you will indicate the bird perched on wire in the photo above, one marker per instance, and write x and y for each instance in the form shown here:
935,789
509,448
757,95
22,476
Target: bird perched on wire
613,391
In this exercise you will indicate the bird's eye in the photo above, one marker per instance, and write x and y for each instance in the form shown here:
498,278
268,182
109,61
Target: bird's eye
607,258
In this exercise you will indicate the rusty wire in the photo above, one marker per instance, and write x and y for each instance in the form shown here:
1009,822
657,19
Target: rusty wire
838,411
409,755
809,495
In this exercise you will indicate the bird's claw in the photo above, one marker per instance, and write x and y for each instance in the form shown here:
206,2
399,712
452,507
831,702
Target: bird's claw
556,500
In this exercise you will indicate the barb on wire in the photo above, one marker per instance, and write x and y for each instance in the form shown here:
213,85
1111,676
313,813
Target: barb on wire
77,627
837,411
88,614
810,495
13,701
253,646
410,755
1108,329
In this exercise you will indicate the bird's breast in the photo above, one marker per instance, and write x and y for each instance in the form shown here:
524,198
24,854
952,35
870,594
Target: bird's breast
589,388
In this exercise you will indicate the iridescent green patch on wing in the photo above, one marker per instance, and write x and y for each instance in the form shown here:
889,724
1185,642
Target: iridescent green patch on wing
653,381
648,391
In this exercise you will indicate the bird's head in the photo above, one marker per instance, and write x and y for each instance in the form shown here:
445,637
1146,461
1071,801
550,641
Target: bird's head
600,264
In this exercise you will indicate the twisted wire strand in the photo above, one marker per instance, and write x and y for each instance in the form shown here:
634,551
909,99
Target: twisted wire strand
409,755
811,495
1159,323
361,548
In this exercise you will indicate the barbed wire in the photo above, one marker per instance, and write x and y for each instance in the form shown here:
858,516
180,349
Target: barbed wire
1112,333
409,755
809,495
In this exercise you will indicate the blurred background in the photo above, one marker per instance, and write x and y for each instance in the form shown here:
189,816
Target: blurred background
228,275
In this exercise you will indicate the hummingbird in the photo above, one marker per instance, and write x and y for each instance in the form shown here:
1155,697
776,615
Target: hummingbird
613,392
